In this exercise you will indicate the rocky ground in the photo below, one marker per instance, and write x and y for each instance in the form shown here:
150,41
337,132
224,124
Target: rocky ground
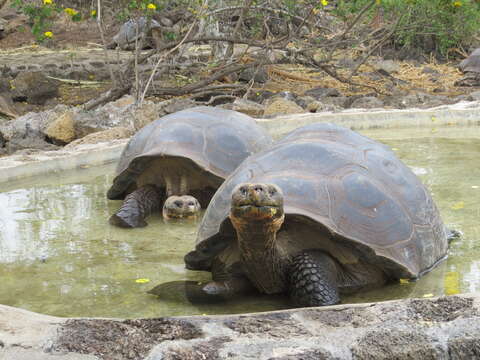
41,87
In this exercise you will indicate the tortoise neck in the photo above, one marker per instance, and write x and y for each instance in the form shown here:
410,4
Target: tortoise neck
262,259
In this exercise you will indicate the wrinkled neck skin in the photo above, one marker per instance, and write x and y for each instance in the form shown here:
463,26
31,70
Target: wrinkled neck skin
264,263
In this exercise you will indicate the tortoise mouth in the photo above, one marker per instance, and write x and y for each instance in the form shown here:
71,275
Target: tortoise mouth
259,212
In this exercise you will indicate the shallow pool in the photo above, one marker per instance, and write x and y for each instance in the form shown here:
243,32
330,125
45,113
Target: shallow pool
59,255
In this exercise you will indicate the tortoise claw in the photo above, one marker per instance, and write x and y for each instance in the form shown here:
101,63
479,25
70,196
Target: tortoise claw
127,222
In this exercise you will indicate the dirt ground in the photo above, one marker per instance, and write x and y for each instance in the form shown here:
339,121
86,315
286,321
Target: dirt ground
432,77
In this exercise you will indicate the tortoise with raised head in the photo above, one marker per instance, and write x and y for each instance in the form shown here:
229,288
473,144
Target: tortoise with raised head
178,161
324,211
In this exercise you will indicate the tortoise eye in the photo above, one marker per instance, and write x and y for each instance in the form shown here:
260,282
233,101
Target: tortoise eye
272,191
243,190
178,203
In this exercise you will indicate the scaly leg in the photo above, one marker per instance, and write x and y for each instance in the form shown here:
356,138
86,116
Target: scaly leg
137,206
313,279
201,293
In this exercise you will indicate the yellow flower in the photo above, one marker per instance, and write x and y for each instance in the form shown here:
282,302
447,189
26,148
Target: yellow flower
48,34
93,12
457,3
47,2
142,281
324,2
458,205
70,11
152,6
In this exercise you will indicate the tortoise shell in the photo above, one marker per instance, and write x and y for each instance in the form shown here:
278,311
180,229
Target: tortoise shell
353,187
471,63
214,141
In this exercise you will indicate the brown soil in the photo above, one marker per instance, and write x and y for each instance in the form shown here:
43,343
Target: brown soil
410,77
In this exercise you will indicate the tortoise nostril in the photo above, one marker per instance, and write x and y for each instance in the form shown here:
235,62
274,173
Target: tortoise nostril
258,188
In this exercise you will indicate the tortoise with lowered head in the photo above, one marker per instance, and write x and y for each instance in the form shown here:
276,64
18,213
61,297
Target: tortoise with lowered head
471,69
324,211
183,158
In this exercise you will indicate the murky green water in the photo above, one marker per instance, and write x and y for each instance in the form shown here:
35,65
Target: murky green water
59,255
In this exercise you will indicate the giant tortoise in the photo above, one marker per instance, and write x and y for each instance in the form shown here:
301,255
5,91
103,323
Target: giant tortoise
471,69
323,211
184,157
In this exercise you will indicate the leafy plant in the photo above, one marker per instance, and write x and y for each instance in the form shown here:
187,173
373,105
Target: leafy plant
40,15
441,24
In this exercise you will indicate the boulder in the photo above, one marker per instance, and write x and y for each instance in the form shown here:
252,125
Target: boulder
28,131
3,142
259,75
3,24
340,102
62,130
33,141
389,66
102,136
367,102
246,106
321,92
475,95
169,107
7,108
429,70
5,86
34,87
260,96
116,113
31,123
423,100
281,106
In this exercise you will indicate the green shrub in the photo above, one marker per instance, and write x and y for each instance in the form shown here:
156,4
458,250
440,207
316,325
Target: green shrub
445,24
40,15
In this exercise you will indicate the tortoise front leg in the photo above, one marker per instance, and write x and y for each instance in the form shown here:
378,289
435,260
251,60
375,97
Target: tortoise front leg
313,279
137,206
228,288
201,293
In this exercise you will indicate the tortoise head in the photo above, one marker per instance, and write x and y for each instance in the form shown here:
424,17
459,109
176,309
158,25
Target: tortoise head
259,203
180,207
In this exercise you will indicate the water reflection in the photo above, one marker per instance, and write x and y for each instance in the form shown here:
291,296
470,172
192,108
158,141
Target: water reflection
59,255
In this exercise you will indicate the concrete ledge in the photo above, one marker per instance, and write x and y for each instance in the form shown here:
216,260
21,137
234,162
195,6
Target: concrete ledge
460,114
437,328
41,163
